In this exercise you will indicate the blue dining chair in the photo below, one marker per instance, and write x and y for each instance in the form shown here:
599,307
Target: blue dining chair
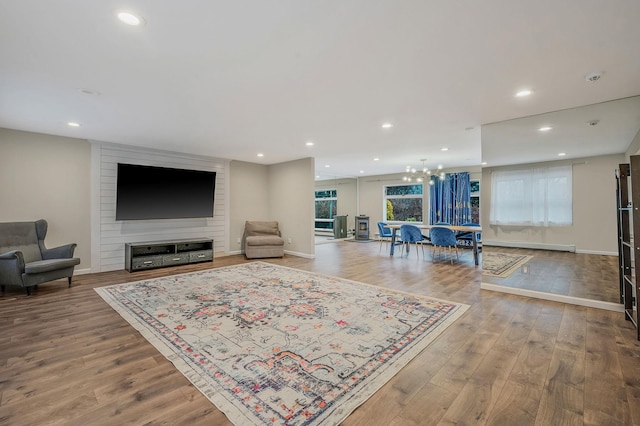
442,238
466,237
437,223
411,234
384,234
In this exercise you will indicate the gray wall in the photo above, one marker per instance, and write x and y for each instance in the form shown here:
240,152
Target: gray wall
594,226
48,177
291,202
282,192
249,198
634,147
371,193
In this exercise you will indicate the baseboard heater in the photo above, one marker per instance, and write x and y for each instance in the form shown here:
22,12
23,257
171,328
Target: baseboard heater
535,246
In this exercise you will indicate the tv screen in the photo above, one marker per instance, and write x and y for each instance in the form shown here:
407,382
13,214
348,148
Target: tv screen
147,192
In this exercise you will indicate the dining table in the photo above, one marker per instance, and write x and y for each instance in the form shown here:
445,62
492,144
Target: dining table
475,231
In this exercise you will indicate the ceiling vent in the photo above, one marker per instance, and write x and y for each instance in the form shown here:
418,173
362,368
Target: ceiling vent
594,76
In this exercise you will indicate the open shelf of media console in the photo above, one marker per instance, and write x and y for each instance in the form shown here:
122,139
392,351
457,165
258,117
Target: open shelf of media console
159,254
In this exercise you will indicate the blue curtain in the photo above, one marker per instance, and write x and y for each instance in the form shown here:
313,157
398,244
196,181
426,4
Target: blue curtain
450,199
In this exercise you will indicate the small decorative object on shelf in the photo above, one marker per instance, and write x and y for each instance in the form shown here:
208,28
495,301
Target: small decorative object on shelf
628,196
159,254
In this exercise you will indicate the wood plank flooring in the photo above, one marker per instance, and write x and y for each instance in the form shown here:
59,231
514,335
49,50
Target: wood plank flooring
586,276
67,358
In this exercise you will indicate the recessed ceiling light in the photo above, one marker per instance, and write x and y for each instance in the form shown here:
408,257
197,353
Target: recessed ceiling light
317,176
73,124
130,19
484,163
327,165
260,155
593,122
562,154
545,129
361,171
444,149
387,125
376,159
309,143
439,166
524,93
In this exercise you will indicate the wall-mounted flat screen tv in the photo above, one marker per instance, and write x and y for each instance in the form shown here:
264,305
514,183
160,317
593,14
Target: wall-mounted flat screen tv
148,192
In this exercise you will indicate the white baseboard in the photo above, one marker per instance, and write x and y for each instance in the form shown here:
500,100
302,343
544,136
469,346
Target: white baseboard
83,271
604,253
590,303
292,253
305,255
536,246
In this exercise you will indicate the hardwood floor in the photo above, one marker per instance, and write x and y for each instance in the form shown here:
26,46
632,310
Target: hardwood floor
66,357
585,276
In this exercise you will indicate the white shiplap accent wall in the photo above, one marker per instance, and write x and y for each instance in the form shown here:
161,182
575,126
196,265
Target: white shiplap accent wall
109,236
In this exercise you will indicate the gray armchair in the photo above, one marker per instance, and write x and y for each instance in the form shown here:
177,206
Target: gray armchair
24,259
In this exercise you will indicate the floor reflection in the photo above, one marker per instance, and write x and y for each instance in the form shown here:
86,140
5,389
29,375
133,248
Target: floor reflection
586,276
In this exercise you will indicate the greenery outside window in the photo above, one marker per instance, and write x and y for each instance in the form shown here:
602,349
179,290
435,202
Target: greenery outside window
326,201
403,203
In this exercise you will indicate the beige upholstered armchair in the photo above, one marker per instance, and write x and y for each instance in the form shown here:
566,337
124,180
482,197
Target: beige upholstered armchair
262,239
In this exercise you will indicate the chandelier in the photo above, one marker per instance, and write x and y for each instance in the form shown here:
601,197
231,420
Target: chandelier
421,175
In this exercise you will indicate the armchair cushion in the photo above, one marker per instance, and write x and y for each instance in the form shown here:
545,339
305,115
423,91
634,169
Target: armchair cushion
262,239
40,266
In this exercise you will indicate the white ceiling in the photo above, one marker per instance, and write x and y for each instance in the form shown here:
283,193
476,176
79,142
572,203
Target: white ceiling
234,79
599,129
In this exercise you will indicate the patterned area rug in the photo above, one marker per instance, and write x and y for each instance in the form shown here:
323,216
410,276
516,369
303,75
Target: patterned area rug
502,264
274,345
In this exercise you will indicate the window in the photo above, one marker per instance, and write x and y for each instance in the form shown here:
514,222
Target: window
326,208
475,209
474,188
532,197
403,203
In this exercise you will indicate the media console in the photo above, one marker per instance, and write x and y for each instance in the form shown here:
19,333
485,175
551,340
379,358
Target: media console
159,254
